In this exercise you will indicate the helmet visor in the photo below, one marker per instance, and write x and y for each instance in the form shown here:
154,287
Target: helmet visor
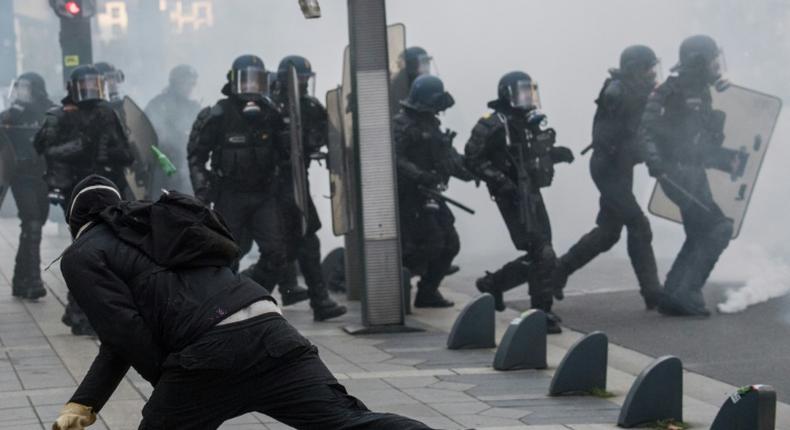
307,84
21,92
718,66
250,81
88,87
525,95
424,65
112,81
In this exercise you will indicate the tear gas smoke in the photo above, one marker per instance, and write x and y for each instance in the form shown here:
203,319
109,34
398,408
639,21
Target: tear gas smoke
767,277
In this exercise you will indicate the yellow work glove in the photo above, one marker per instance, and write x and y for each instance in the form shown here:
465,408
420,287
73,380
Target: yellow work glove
74,416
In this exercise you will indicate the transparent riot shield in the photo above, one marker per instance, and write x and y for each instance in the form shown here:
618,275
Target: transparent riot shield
298,171
7,164
338,191
142,137
399,81
750,120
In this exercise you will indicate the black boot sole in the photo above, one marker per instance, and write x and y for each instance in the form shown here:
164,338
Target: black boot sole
330,313
294,298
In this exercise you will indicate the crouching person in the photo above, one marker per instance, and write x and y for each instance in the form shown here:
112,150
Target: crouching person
154,279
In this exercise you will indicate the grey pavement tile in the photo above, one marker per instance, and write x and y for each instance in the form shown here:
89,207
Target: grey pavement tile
414,410
452,386
18,417
376,398
8,402
511,413
460,408
475,421
412,382
429,395
440,422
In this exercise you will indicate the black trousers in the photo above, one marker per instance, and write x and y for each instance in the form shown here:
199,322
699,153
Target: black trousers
30,195
429,243
708,233
536,266
257,217
614,177
264,365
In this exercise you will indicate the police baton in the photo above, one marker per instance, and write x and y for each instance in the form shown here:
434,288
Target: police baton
442,197
686,193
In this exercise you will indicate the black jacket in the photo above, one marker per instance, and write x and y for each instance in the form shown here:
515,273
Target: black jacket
141,311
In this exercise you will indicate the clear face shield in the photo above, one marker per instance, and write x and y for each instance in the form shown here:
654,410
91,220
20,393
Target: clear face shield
112,83
525,95
307,85
87,88
21,91
718,66
425,65
250,82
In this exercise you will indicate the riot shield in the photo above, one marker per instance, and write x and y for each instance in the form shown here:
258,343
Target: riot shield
750,120
142,137
339,194
399,80
298,171
7,164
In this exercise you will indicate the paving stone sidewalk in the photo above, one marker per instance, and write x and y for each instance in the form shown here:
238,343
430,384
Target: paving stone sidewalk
411,374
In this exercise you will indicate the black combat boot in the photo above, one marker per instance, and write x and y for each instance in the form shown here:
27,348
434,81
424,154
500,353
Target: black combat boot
323,306
452,270
74,318
559,278
428,296
290,291
553,323
486,284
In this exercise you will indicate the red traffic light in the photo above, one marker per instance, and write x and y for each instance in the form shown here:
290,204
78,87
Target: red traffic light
73,8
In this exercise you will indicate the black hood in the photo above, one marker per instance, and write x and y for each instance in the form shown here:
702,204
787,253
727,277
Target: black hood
89,198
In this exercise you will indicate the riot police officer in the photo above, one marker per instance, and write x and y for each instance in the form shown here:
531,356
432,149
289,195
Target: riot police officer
113,78
83,137
416,62
682,135
305,247
514,153
615,153
241,138
28,105
172,113
426,160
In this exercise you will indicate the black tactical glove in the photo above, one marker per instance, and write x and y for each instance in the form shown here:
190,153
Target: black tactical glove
655,167
503,186
561,154
56,197
429,179
204,195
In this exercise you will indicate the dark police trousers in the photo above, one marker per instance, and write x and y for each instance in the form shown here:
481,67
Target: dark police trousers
618,208
430,243
259,365
30,195
256,216
708,233
537,265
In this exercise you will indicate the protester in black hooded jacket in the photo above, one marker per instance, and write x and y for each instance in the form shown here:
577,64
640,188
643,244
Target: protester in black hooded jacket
212,343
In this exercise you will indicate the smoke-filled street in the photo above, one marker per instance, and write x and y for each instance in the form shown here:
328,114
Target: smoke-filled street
394,214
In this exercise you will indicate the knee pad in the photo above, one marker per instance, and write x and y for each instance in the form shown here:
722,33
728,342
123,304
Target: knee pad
31,230
721,233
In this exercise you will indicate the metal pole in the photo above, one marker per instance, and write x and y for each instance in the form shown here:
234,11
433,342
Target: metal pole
380,256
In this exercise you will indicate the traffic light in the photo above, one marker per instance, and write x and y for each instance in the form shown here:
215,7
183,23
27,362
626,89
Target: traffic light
72,9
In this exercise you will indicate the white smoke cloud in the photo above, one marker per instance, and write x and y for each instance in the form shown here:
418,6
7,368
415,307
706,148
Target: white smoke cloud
767,277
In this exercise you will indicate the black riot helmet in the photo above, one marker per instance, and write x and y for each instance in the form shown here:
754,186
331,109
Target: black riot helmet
248,78
427,94
113,78
304,71
639,63
182,80
417,62
519,91
85,84
700,56
28,88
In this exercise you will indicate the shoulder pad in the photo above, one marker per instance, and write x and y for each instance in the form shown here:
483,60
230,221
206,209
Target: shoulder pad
614,91
217,110
490,120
